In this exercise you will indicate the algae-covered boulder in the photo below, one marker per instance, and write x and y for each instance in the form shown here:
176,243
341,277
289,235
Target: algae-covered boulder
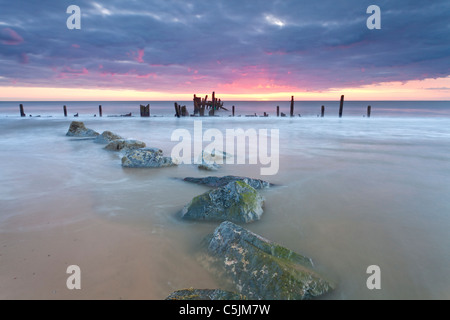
222,181
78,129
106,137
146,158
236,201
122,144
259,268
204,294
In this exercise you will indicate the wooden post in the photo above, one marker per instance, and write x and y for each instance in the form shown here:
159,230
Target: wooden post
292,106
341,106
232,110
145,110
322,111
177,110
196,107
65,111
278,111
369,110
213,100
22,113
100,113
184,112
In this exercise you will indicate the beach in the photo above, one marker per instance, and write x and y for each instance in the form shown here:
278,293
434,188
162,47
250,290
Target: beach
349,193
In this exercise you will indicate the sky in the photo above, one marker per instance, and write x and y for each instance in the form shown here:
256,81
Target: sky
241,49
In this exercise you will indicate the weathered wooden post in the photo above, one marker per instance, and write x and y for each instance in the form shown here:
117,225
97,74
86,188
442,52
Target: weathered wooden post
177,110
278,111
369,110
292,106
65,111
100,113
22,112
341,106
196,104
232,110
322,111
213,105
184,112
145,110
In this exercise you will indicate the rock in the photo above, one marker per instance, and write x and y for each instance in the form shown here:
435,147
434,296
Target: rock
204,294
236,201
207,161
221,181
209,166
77,129
214,156
106,137
122,144
261,269
146,158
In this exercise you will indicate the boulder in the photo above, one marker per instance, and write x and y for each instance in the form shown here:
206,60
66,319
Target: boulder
106,137
122,144
261,269
207,161
221,181
78,129
214,156
204,294
146,158
236,201
209,166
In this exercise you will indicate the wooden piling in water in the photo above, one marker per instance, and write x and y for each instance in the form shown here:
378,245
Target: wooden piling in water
22,112
292,106
213,105
341,106
197,104
202,109
322,111
232,110
369,110
278,111
183,111
145,110
100,112
177,110
65,111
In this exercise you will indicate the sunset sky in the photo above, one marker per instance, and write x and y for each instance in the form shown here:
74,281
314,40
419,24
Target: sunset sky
243,50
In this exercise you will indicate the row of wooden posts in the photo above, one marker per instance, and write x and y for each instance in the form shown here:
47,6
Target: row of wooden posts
215,104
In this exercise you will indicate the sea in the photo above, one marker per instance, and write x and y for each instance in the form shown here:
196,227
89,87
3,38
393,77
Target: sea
350,193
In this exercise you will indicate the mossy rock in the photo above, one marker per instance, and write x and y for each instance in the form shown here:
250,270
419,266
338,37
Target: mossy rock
261,269
216,182
204,294
237,202
122,144
78,129
146,158
106,137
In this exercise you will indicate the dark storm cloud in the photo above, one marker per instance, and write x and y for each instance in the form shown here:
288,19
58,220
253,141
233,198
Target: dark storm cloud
195,45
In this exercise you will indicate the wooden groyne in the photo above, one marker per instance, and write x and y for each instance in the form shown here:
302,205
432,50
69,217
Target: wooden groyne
204,107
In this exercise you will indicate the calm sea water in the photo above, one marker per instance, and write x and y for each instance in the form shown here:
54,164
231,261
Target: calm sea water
352,192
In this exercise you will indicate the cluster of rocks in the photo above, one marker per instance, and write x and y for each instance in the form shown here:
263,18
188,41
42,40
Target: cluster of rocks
136,154
255,267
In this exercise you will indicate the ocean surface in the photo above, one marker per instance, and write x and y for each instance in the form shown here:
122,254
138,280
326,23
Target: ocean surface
351,192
